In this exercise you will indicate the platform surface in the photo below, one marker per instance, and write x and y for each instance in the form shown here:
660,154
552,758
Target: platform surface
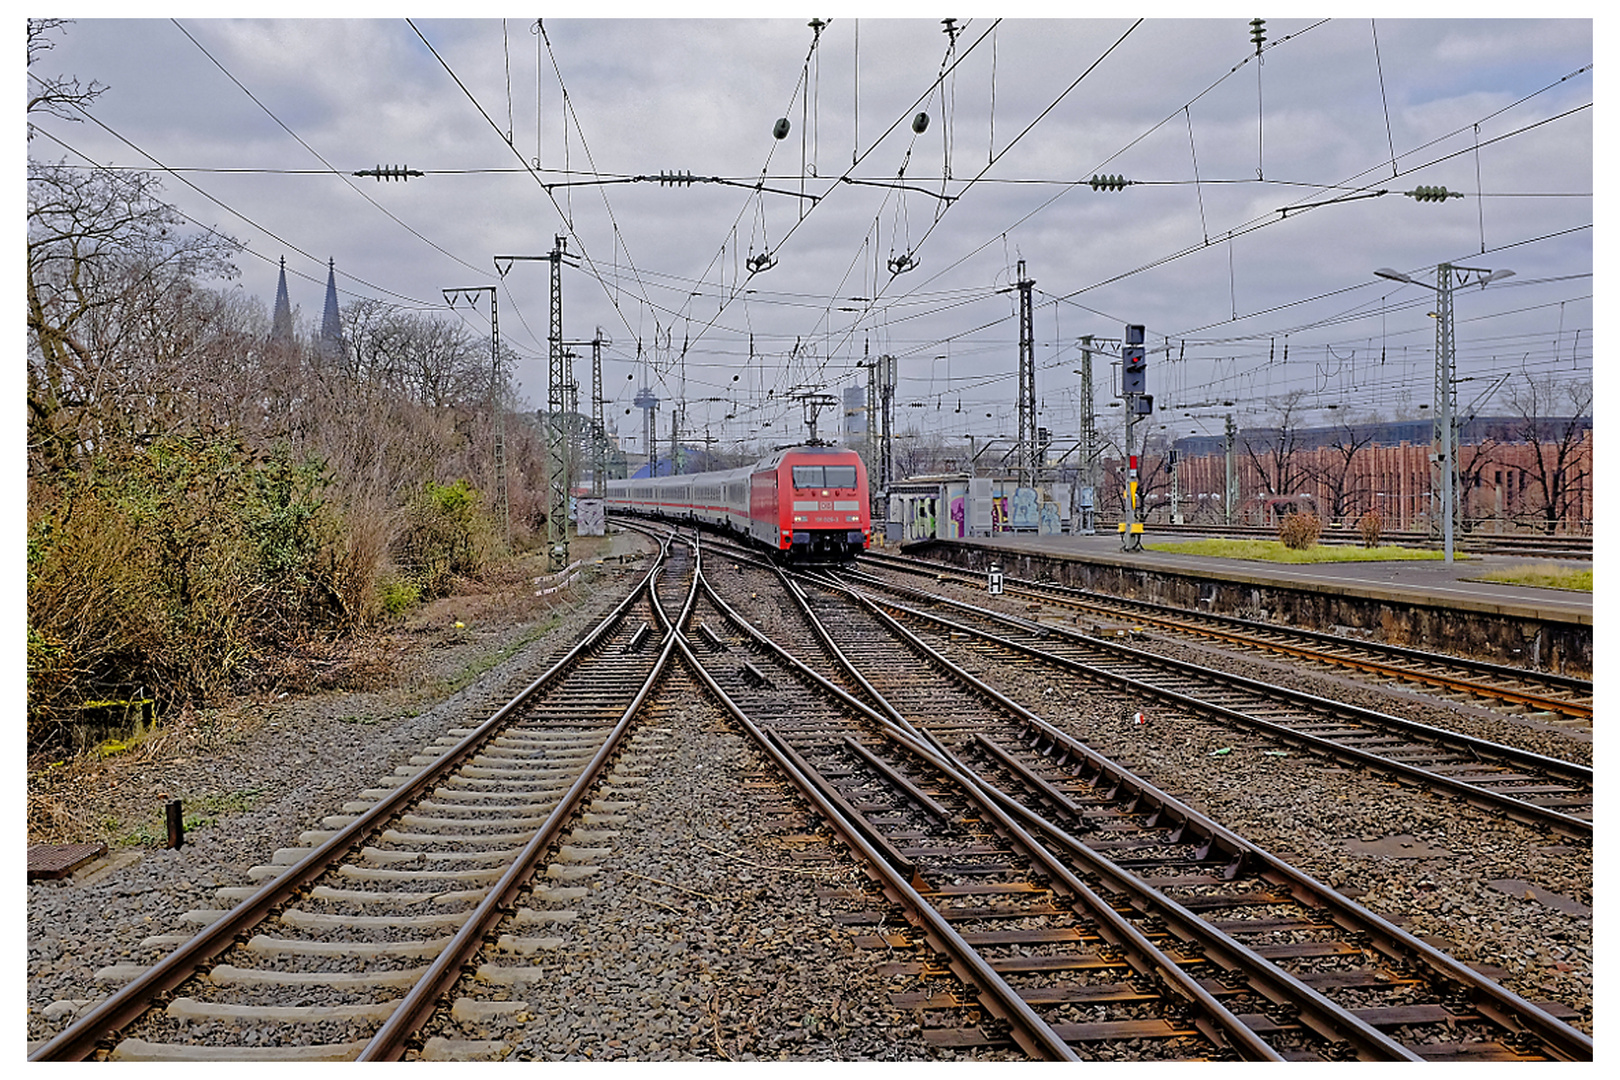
1427,581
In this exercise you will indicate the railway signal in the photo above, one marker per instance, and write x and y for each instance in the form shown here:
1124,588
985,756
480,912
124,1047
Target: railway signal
1133,387
1135,356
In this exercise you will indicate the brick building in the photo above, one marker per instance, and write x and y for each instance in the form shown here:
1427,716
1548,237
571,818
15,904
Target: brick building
1506,481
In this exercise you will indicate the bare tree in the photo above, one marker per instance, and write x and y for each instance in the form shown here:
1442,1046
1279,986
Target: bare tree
58,95
1272,450
1472,463
104,254
1331,467
1554,419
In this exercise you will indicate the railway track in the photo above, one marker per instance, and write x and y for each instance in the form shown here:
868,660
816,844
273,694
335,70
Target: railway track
1546,695
1027,892
1109,909
1532,788
354,939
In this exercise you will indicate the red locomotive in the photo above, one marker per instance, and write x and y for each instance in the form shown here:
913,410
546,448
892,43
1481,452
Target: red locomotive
809,503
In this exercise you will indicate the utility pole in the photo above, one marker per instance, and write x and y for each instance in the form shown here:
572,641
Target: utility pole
885,387
1231,469
598,428
1445,428
497,408
1028,469
559,379
1444,473
560,385
1133,387
598,433
1175,482
1088,443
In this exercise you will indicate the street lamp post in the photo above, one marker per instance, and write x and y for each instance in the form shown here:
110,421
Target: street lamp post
1445,380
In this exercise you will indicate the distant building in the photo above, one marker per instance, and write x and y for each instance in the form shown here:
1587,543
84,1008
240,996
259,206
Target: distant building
281,324
330,341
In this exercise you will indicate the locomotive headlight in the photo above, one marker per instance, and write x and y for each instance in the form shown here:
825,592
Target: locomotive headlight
801,517
853,517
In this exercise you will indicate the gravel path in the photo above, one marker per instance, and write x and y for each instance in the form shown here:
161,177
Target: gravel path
710,928
273,768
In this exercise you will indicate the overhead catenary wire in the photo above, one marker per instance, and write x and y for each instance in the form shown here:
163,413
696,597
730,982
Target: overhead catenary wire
893,302
159,165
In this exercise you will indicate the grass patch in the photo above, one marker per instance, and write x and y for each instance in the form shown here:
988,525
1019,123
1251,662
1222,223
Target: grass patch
1543,576
197,812
489,661
1273,551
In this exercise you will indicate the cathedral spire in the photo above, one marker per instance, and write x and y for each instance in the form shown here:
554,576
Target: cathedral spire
281,328
331,328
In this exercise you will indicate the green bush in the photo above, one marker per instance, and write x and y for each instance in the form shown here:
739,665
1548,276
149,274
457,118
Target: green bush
1300,530
396,595
447,534
172,567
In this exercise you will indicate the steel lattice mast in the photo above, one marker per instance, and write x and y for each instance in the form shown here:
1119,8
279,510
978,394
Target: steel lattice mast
1027,449
558,383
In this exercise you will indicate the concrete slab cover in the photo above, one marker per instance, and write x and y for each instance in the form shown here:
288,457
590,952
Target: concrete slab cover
1525,890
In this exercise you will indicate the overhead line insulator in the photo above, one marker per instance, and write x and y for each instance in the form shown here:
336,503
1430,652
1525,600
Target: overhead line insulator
1257,34
1109,183
1426,193
390,172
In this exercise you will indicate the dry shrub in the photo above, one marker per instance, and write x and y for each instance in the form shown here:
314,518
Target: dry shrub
1299,531
171,567
1372,528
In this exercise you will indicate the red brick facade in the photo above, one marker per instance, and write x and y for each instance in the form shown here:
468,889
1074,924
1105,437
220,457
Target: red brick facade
1500,486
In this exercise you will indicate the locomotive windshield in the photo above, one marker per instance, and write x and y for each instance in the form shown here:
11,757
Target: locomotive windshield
823,476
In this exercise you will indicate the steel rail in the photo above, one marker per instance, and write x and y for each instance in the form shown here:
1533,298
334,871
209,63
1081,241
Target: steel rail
1521,811
1217,1022
1255,635
1328,1018
391,1040
1482,747
1031,1032
104,1021
1505,1007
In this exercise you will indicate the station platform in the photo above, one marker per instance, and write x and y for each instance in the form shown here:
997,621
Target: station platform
1427,604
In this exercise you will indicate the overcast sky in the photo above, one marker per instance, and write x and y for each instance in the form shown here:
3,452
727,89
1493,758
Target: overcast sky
261,123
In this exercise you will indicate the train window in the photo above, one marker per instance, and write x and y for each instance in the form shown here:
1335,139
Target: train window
823,476
840,476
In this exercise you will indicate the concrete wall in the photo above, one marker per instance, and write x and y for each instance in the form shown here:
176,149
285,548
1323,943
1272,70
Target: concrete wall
1544,643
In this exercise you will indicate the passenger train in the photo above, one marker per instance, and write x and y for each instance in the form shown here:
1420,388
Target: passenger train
807,503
